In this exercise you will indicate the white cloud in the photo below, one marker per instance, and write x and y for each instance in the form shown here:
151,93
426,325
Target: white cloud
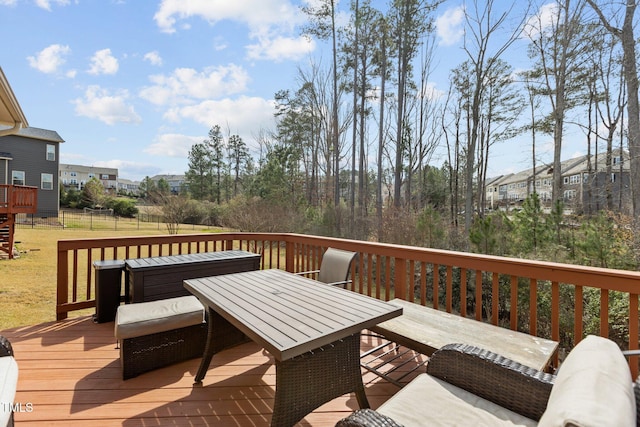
247,115
8,2
99,104
449,25
279,48
271,22
153,57
255,13
173,145
541,21
186,84
49,59
46,4
430,91
219,43
102,62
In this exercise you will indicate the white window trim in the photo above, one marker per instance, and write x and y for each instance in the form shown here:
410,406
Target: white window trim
42,181
13,178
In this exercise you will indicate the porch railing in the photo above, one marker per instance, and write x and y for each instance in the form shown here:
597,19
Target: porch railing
18,199
544,299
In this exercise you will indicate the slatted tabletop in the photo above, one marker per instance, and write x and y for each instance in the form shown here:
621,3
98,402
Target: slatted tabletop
289,314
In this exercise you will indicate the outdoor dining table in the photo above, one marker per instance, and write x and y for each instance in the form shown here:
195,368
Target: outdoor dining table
311,329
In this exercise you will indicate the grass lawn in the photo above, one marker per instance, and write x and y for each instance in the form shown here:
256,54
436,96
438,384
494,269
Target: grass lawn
28,283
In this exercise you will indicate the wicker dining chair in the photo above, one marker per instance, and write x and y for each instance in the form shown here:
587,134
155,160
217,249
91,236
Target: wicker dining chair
334,267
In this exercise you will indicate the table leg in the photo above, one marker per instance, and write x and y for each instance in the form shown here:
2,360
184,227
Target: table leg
220,335
314,378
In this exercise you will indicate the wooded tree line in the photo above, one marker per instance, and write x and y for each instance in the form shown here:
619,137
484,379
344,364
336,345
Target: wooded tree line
356,137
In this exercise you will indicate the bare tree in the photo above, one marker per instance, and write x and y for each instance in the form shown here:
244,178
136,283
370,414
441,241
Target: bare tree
558,48
482,27
626,35
412,21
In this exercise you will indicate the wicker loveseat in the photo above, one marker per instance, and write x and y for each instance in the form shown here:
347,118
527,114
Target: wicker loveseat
465,385
8,382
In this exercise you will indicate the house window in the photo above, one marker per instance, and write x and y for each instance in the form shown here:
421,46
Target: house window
616,160
46,181
575,179
104,176
566,180
17,177
570,194
51,152
72,173
613,177
92,175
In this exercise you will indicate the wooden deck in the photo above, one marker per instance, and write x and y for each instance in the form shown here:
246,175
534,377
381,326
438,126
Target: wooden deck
70,376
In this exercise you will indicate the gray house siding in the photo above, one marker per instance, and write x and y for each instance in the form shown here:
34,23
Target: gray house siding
29,155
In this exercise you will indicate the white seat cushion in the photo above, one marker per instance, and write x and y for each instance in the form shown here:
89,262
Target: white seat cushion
593,388
428,401
8,384
136,320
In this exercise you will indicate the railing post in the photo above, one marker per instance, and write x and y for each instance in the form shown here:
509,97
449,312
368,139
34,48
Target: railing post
290,257
401,278
62,296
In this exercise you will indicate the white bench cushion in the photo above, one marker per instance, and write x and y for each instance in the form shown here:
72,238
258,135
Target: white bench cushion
8,384
145,318
593,388
428,401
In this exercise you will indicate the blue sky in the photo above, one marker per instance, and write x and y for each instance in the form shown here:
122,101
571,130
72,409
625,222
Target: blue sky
134,84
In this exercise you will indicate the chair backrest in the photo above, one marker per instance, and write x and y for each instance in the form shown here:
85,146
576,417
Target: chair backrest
335,265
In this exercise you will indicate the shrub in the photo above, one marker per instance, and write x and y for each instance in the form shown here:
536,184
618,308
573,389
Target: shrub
122,207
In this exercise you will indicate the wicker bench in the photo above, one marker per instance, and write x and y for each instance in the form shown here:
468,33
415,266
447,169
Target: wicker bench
8,382
466,385
159,333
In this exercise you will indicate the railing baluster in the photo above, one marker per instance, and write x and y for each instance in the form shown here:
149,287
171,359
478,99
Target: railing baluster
533,307
495,298
463,292
555,311
579,312
436,285
604,313
423,283
449,291
513,303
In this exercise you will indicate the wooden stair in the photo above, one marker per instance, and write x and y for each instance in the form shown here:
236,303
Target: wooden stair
14,199
7,229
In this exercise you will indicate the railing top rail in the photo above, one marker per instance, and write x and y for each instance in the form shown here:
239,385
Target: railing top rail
611,279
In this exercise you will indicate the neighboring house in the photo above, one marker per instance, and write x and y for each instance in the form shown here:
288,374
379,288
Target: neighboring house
586,184
127,186
76,176
31,157
176,182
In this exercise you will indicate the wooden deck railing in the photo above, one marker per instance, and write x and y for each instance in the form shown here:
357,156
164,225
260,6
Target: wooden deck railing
18,199
540,298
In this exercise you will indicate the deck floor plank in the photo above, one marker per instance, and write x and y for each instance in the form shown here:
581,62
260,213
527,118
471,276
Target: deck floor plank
70,375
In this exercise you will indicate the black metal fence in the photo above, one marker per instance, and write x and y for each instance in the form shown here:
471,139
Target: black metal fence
70,219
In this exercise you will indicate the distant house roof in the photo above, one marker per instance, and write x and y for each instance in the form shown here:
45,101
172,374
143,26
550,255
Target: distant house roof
168,177
11,114
43,134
